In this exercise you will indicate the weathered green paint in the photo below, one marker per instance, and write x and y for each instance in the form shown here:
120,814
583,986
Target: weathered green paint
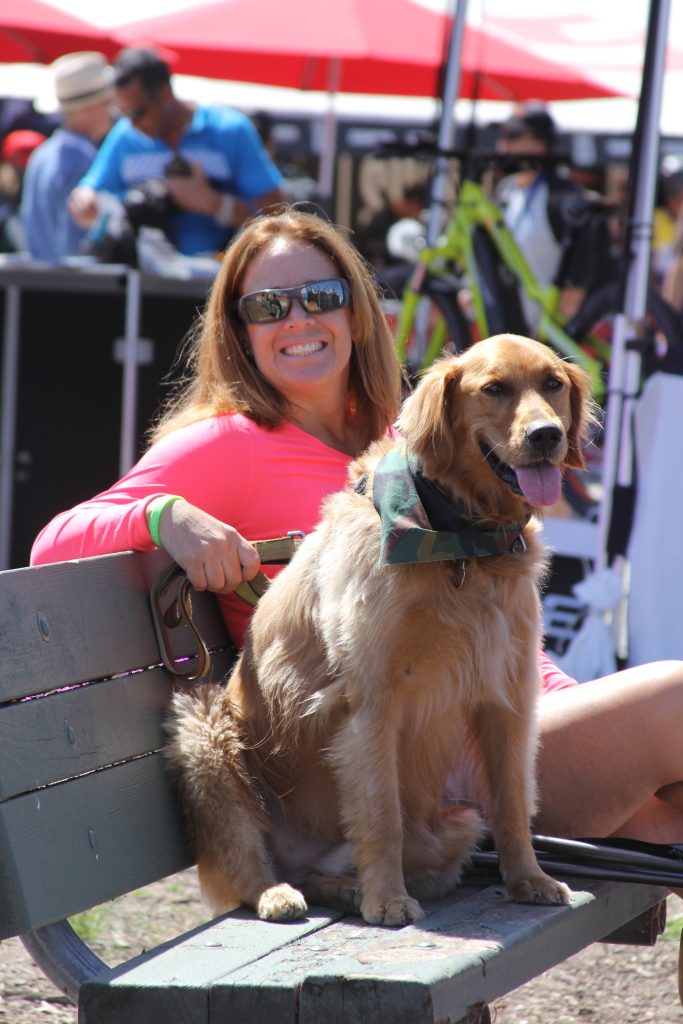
469,949
176,981
75,621
74,845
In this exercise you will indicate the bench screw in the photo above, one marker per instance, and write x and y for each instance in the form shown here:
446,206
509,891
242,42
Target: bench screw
43,626
92,839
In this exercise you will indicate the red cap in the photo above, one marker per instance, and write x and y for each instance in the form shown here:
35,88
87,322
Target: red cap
18,146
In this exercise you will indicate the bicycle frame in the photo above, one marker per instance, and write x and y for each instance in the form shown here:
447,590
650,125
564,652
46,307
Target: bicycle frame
456,250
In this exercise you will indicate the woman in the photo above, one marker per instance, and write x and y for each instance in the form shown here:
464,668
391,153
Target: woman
293,372
272,415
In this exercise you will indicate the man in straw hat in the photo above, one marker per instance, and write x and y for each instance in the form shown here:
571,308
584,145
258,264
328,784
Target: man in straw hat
83,84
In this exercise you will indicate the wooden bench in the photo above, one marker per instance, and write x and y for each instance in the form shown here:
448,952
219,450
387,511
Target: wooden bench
87,814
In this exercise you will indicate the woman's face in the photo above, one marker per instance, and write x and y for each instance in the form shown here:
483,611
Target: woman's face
306,355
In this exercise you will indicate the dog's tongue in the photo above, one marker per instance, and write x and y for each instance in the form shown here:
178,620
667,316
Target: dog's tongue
540,484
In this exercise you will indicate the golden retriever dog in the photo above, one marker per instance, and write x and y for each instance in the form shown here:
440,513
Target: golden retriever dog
388,650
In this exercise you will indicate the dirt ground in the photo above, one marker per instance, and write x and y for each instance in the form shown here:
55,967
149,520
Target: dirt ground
604,984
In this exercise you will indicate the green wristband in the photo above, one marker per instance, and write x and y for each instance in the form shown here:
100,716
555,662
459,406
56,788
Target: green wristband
156,509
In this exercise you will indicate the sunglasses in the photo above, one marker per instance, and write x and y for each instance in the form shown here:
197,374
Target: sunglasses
275,303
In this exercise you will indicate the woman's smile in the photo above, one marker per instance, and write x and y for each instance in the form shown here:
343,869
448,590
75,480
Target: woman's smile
303,348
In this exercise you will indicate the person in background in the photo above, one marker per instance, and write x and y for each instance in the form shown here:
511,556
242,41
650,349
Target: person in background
210,158
297,185
17,147
84,92
392,237
668,221
540,205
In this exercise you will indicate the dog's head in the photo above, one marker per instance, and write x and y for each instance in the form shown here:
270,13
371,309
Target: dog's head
506,412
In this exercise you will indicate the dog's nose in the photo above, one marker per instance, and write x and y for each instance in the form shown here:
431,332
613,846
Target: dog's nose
543,437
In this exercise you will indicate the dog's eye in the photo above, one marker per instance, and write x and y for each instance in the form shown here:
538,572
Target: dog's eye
494,387
554,383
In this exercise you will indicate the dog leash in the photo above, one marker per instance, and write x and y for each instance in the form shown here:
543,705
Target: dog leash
274,551
609,859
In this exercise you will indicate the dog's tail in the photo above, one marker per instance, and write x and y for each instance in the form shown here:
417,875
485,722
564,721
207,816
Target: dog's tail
434,856
205,743
222,803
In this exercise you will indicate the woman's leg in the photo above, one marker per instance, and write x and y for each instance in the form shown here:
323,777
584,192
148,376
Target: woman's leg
611,759
611,756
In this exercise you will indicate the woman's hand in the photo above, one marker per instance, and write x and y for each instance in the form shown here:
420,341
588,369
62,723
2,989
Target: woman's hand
214,556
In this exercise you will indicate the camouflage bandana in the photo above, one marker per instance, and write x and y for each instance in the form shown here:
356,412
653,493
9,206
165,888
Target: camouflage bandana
399,494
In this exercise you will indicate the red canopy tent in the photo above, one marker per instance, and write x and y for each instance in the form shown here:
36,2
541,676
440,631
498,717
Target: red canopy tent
34,32
390,47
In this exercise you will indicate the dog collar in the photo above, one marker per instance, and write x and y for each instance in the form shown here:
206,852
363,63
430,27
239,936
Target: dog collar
419,522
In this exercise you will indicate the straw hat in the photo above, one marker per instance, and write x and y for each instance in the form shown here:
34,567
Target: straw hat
81,79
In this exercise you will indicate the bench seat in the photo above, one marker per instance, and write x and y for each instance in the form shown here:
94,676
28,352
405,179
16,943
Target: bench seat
466,952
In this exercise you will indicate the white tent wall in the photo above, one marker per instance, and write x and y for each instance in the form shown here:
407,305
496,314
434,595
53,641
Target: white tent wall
655,610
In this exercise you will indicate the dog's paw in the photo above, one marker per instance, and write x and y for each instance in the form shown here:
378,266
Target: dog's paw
392,911
351,899
281,903
540,888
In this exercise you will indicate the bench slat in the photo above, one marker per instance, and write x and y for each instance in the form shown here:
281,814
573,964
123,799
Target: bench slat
147,988
482,948
71,846
467,952
472,949
74,621
50,739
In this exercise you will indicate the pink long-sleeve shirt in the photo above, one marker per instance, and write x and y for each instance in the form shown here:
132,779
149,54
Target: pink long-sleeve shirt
264,483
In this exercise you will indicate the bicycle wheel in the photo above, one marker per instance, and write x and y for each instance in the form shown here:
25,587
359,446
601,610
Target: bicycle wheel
499,290
437,327
663,346
592,327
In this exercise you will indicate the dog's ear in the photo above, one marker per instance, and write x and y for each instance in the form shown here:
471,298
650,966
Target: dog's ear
583,414
425,419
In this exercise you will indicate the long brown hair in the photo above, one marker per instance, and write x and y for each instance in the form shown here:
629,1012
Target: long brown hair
222,379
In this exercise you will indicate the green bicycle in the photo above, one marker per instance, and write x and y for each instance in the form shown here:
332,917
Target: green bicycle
478,256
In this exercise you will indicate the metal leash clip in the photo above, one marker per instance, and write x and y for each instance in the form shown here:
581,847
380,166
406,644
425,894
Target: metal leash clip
178,613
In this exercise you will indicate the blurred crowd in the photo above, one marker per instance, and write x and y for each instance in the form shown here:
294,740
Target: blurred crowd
539,190
125,161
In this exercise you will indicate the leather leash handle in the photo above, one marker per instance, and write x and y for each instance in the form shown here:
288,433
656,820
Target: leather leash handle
276,550
251,591
179,613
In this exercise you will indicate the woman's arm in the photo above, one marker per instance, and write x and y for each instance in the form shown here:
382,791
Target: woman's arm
209,465
214,555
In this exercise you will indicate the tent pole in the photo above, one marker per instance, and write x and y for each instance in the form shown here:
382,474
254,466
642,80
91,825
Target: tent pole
439,190
624,377
447,125
328,141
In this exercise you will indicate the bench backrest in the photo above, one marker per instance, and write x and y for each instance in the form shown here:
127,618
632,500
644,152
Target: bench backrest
87,811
